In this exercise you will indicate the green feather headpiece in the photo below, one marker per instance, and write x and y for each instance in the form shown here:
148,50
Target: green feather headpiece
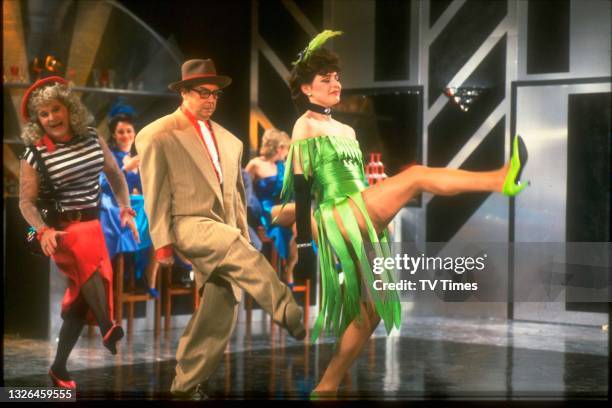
315,43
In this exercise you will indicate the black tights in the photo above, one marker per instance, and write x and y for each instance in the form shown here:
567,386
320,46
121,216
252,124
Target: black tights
92,297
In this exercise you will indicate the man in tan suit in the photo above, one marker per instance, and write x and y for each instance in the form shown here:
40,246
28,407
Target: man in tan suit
195,201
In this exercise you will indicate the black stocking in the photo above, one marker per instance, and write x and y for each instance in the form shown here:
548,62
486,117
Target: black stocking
95,295
68,336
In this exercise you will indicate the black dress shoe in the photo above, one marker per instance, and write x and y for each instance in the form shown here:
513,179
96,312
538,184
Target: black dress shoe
199,393
293,321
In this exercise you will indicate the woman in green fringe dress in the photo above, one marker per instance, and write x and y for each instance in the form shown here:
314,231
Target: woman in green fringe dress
326,163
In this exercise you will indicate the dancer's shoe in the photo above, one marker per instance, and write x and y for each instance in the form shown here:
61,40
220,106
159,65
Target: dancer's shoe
199,393
293,321
153,293
112,336
512,183
323,395
58,382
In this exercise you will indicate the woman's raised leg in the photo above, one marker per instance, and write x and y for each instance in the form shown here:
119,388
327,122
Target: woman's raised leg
384,199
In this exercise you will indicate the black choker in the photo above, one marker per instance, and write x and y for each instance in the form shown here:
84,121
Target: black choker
318,108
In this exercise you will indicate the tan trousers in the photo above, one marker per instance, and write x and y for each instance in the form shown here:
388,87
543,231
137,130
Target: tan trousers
206,336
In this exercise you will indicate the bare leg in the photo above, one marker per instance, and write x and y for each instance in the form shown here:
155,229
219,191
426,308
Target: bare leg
352,342
291,260
383,200
152,269
284,218
356,334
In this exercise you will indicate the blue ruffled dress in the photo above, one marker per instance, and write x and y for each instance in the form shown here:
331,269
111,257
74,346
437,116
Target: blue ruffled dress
118,239
268,191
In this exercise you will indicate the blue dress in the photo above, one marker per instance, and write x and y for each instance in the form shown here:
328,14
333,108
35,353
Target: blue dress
268,191
118,239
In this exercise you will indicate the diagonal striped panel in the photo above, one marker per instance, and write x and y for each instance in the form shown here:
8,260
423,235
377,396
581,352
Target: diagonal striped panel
271,57
300,17
452,128
275,18
92,17
459,40
437,7
274,97
446,215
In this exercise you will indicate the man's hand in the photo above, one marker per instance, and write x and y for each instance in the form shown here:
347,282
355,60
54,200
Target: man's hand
165,255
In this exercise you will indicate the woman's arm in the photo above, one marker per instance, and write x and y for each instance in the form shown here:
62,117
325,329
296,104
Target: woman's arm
301,130
115,177
28,194
118,184
306,264
251,168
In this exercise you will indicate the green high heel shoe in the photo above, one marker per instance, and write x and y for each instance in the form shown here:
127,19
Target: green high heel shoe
512,184
322,395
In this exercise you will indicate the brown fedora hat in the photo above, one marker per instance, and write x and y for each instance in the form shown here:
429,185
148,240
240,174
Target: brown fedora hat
199,71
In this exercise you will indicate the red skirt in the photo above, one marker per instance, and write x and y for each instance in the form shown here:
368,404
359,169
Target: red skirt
80,253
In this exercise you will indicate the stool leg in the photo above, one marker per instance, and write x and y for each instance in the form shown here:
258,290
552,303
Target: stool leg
119,262
307,305
130,318
158,304
196,298
249,310
132,289
168,296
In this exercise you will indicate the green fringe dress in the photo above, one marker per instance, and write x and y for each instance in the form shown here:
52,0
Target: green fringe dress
335,166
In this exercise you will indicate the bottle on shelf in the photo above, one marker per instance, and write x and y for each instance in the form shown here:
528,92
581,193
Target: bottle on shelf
370,169
381,168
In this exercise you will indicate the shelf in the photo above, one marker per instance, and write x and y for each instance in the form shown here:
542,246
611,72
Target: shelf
106,91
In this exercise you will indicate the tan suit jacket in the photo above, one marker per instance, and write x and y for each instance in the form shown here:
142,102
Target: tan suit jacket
185,204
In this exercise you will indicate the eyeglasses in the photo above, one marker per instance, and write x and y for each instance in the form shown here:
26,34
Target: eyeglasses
205,93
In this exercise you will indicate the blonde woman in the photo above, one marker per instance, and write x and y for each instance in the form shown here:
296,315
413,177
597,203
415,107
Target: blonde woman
267,172
62,161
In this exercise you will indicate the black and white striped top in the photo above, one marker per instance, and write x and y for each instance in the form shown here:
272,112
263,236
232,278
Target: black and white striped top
74,169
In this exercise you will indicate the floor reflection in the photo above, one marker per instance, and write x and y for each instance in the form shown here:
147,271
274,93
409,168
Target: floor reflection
429,358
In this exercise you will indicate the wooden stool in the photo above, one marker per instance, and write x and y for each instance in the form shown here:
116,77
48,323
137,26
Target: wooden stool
273,258
129,295
169,290
278,266
305,288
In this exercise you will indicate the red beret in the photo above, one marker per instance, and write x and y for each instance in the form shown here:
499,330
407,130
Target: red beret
38,84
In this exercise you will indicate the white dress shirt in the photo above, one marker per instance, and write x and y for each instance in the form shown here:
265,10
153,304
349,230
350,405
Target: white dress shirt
212,149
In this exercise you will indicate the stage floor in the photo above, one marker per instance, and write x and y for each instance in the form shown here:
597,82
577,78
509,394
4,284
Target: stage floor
429,358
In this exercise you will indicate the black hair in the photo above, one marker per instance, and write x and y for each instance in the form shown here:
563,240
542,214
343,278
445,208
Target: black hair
112,126
321,61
